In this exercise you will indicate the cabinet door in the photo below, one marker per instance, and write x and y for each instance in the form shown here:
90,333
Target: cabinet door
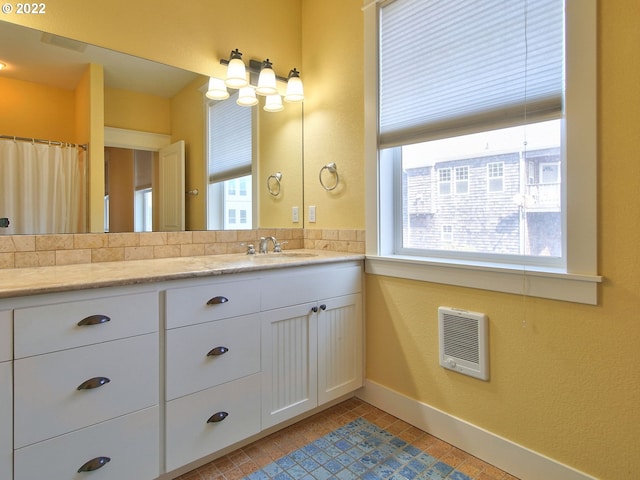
289,362
6,422
340,340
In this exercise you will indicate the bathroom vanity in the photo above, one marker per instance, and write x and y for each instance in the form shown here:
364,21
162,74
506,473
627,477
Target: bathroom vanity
134,370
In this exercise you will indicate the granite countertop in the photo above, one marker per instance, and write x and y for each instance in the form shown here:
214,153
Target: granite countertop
32,281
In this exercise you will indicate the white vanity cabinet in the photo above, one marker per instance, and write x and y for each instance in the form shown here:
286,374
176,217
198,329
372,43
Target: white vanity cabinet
212,366
6,395
86,385
312,338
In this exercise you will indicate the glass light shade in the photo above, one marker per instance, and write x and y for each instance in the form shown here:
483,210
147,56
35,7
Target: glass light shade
217,89
247,97
236,74
295,90
273,103
267,82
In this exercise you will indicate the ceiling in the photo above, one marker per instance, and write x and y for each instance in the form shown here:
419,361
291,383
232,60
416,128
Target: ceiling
34,56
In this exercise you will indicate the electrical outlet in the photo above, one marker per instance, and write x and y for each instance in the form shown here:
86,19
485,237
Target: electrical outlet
312,213
295,217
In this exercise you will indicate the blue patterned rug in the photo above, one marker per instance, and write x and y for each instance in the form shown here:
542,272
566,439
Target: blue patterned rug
358,450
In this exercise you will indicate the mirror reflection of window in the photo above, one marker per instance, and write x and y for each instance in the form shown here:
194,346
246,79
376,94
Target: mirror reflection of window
230,154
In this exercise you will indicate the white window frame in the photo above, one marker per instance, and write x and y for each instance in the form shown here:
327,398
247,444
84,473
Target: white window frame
447,182
460,182
578,282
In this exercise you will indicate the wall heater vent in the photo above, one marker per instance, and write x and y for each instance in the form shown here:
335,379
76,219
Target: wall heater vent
464,341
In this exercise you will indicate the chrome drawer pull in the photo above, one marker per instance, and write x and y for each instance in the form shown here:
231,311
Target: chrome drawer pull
94,464
217,417
217,300
217,351
92,383
94,320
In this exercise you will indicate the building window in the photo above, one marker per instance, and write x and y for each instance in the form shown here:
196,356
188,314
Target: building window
517,120
462,180
444,181
447,234
495,176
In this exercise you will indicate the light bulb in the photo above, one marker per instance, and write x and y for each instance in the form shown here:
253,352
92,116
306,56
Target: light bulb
236,71
247,97
273,103
266,80
217,89
295,90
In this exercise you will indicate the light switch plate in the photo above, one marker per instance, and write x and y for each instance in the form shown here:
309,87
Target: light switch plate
312,213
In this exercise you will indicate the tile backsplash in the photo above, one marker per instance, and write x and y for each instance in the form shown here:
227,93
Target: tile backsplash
21,251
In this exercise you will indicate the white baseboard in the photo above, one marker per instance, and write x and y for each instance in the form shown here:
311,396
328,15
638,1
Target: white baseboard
500,452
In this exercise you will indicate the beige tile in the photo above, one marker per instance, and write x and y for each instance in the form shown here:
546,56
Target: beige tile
138,253
330,234
35,259
107,254
226,236
361,235
348,235
54,242
73,257
204,237
191,250
7,260
90,240
312,234
216,249
247,236
356,247
179,238
153,238
123,240
6,244
166,251
24,243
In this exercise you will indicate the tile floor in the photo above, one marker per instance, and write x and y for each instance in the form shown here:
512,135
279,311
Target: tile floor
351,440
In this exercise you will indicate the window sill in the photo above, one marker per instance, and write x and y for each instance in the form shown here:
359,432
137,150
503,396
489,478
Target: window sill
530,281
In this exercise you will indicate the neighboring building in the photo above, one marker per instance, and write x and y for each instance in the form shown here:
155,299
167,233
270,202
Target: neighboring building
508,203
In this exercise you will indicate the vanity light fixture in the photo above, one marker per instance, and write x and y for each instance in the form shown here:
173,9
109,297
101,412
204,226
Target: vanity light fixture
217,89
295,90
266,80
2,65
236,71
262,80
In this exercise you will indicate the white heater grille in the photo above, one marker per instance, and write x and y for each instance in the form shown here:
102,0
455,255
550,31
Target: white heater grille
464,341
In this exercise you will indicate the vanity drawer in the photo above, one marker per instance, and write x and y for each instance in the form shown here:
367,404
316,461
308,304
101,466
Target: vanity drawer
189,434
50,328
281,290
130,442
208,354
213,301
47,399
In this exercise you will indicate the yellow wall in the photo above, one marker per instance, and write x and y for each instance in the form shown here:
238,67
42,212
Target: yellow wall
37,111
565,378
137,111
332,32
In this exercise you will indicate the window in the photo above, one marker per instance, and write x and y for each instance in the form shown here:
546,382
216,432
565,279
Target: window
495,106
230,153
495,175
142,210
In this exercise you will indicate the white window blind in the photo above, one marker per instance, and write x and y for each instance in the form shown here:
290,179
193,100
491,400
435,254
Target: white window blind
448,67
230,151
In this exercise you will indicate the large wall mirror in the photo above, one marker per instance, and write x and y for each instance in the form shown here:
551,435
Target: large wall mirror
56,92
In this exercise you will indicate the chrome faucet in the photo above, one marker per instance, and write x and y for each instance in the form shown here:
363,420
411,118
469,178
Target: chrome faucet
264,245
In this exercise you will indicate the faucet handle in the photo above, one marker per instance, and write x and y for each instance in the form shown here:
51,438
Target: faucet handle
277,248
250,248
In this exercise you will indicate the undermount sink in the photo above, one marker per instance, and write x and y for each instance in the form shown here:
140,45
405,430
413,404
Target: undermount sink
275,256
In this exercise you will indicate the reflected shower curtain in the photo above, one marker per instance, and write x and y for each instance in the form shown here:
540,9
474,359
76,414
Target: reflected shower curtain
42,187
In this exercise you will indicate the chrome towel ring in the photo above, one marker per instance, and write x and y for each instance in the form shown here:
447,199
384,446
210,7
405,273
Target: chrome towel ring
331,168
273,183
